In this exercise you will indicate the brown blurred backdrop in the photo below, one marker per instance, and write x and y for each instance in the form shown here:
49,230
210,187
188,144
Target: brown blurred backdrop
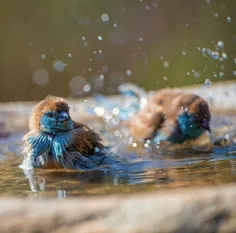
78,47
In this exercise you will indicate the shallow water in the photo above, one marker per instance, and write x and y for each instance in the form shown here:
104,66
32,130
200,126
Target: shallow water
145,169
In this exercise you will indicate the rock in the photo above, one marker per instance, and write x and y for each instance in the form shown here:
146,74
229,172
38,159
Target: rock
15,115
193,210
220,95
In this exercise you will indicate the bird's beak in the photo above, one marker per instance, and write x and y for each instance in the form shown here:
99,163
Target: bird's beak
206,125
64,116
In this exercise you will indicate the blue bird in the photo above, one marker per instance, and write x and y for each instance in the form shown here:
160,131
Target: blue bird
55,141
172,116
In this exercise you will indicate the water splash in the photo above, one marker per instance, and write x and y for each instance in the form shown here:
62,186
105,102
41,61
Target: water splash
59,65
105,17
229,20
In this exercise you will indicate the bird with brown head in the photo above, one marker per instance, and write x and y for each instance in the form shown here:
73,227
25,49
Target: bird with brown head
173,116
55,141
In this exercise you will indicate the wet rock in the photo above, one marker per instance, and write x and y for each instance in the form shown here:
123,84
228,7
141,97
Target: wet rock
193,210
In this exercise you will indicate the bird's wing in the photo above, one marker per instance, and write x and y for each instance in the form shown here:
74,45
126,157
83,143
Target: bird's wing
148,120
85,140
152,118
168,131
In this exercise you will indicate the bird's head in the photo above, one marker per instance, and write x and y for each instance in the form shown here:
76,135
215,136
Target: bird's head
194,118
51,115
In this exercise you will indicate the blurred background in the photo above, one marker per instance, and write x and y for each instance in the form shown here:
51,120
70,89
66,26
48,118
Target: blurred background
80,47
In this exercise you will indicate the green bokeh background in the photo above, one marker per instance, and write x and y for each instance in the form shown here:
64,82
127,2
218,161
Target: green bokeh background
148,33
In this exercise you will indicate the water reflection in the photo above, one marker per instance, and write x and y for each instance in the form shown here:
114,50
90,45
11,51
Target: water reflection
145,168
142,173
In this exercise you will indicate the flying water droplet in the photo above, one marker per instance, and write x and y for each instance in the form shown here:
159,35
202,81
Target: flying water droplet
220,44
221,74
115,120
204,52
208,82
105,17
115,111
43,56
100,38
128,72
59,65
87,87
215,55
229,19
166,64
224,56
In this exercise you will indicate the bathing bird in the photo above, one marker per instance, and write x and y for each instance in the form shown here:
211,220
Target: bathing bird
171,116
55,141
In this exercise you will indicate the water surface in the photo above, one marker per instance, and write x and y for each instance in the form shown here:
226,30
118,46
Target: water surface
146,169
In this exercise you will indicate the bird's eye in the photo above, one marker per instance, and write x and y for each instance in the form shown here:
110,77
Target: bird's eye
50,115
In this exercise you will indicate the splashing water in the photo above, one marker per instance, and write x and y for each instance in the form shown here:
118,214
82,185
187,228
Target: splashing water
59,65
229,20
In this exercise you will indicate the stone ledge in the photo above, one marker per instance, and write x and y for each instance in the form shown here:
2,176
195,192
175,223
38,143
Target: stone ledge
190,210
14,115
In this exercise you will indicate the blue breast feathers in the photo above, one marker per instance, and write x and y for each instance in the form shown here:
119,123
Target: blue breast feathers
185,129
188,126
57,145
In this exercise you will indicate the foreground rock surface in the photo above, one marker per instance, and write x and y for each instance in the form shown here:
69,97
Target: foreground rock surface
193,210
